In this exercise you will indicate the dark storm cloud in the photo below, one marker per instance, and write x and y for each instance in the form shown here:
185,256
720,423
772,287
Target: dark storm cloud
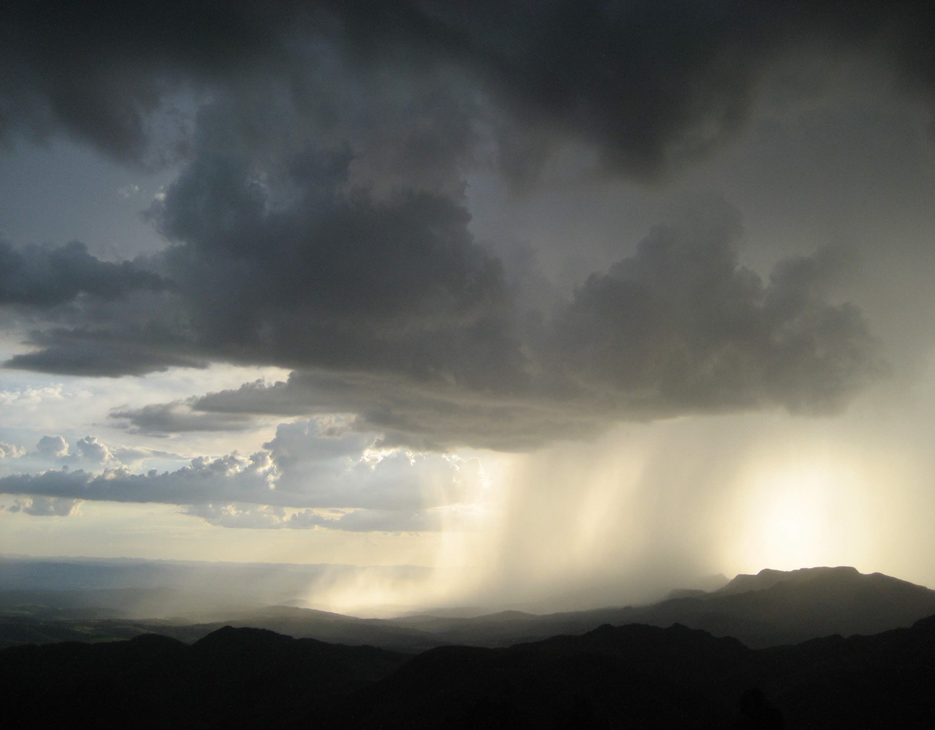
333,277
43,276
678,327
103,352
650,85
681,325
298,271
99,71
69,285
388,308
320,224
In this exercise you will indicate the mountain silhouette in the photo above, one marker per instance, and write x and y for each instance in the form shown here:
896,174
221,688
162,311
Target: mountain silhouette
768,609
615,676
776,607
230,678
650,677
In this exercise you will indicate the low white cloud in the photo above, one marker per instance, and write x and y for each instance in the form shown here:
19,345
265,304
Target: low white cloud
313,474
92,449
52,447
11,451
278,518
31,396
131,455
46,506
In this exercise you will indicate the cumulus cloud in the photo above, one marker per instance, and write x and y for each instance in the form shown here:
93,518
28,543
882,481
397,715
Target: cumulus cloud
90,448
308,467
46,506
244,479
31,396
347,469
11,451
239,516
52,447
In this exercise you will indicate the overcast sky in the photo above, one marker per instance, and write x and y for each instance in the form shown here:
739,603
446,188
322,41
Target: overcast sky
567,298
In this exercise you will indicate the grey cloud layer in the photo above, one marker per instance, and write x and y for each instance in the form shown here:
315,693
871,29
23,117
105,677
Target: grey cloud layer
161,419
110,347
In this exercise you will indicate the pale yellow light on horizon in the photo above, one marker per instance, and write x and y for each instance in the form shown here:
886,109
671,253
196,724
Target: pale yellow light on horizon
810,511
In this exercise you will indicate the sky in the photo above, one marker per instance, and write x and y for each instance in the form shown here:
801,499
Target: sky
574,302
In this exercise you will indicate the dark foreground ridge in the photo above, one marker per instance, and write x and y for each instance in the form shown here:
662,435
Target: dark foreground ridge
230,678
626,676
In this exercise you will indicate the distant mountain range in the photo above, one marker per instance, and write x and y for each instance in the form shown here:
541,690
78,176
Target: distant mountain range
768,609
